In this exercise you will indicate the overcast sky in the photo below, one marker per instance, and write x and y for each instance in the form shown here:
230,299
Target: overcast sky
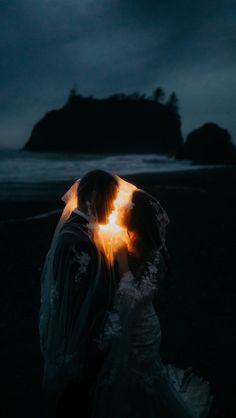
109,46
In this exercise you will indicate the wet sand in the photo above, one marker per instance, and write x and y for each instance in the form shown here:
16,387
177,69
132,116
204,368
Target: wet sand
196,307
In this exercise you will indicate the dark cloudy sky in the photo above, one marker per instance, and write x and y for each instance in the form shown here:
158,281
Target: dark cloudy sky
108,46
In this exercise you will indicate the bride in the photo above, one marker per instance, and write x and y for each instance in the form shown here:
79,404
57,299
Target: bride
134,382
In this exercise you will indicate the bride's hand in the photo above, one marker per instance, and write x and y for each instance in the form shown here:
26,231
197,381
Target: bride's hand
121,256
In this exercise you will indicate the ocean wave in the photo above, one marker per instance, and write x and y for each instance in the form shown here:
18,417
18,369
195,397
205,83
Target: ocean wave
30,167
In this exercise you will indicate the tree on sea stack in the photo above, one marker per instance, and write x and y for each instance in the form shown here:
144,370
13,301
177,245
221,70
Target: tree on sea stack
172,102
209,144
158,95
74,97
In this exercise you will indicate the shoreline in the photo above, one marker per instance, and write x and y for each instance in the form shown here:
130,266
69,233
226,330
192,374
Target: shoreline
196,308
22,201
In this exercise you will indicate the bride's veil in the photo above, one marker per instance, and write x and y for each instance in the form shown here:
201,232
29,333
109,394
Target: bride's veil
70,199
48,337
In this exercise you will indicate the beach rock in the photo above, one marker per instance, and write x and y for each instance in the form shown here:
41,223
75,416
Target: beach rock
209,144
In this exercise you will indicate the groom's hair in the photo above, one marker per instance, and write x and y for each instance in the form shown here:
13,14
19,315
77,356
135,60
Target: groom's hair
100,188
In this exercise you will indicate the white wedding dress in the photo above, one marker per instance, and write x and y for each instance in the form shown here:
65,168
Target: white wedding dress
134,382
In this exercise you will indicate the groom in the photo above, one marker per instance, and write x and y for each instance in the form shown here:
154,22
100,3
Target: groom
77,262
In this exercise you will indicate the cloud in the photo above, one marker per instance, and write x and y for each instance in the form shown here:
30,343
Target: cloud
115,46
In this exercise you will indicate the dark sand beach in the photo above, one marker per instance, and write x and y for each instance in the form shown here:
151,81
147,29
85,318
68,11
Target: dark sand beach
196,306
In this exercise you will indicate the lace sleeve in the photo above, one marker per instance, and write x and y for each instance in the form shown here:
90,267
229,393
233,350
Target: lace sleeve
131,293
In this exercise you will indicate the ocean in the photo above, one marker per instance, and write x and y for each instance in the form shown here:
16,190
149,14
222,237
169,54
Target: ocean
26,175
29,167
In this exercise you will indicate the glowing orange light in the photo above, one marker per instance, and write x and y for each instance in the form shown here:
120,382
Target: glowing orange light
112,236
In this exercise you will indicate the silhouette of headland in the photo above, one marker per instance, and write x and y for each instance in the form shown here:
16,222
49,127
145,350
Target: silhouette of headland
120,123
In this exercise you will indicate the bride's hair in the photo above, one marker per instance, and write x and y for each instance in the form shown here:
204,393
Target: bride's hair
142,225
98,189
143,228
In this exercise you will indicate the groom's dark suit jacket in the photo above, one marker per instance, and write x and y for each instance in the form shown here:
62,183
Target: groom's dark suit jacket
81,393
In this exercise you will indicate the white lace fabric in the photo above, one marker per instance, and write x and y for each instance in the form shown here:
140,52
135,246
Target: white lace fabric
132,292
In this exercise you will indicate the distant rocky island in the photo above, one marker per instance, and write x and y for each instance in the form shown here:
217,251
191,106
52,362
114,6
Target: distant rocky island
120,123
209,144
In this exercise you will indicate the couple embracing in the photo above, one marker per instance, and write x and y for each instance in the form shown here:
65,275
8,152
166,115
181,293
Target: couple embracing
100,335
